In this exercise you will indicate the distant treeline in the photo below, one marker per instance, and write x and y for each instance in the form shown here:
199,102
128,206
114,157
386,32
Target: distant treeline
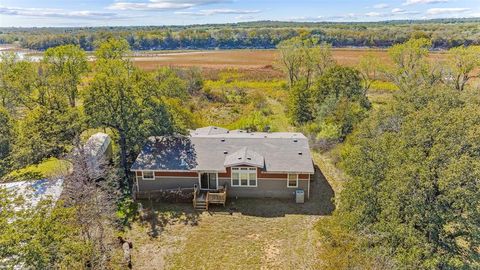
444,33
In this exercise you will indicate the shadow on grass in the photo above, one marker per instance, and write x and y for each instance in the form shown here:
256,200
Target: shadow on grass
321,202
159,215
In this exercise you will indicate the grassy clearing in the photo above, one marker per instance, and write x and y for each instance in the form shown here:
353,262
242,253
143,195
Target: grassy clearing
49,168
246,234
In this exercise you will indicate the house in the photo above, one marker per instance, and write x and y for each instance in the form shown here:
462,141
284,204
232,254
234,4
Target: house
250,164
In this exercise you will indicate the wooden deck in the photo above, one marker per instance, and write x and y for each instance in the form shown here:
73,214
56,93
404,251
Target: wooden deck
203,198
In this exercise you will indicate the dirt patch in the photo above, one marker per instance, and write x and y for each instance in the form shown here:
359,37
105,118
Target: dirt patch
271,261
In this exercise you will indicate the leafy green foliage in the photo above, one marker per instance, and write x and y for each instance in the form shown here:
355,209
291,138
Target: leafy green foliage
39,237
50,168
128,101
411,68
6,140
46,133
331,108
462,65
412,189
65,66
299,107
303,59
413,194
19,83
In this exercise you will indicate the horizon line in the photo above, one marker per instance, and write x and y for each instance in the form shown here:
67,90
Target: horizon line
255,21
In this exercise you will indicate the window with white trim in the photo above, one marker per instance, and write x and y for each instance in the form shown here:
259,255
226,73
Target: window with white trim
148,175
292,181
244,177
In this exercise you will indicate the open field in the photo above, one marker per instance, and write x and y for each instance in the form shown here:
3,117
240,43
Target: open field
246,234
246,59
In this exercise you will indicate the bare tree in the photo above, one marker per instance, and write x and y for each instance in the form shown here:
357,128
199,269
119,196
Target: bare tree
368,67
95,203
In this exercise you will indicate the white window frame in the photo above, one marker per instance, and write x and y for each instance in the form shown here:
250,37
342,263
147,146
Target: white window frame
288,180
248,171
148,178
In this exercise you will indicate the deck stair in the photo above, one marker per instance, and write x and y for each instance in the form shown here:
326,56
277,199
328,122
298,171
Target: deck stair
203,198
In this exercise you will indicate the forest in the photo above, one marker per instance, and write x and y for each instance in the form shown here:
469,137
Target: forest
444,33
406,135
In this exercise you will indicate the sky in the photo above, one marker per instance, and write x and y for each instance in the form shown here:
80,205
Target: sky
63,13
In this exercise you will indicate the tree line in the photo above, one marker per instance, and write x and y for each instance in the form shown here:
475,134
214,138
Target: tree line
254,35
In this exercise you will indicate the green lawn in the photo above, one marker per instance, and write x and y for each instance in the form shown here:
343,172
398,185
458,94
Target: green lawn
49,168
246,234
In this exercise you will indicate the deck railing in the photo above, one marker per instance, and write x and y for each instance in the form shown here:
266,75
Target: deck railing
218,196
195,195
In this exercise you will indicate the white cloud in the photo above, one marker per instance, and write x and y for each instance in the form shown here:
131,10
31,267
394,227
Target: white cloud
439,11
163,5
210,12
400,11
415,2
374,14
56,13
307,19
381,6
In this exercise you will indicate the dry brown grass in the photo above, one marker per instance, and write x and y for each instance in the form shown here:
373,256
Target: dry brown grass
254,60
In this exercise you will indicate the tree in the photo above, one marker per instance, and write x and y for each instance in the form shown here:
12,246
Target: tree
41,237
299,106
112,49
411,194
65,66
45,133
368,67
110,101
339,100
462,65
193,78
6,140
124,99
169,84
19,81
411,68
291,58
95,203
303,59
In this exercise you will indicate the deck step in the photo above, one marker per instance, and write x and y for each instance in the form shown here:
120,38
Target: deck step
201,205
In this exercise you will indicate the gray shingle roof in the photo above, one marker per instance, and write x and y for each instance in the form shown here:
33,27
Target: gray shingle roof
244,156
202,151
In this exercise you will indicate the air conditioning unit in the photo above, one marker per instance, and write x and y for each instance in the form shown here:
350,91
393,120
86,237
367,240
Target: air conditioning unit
299,196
